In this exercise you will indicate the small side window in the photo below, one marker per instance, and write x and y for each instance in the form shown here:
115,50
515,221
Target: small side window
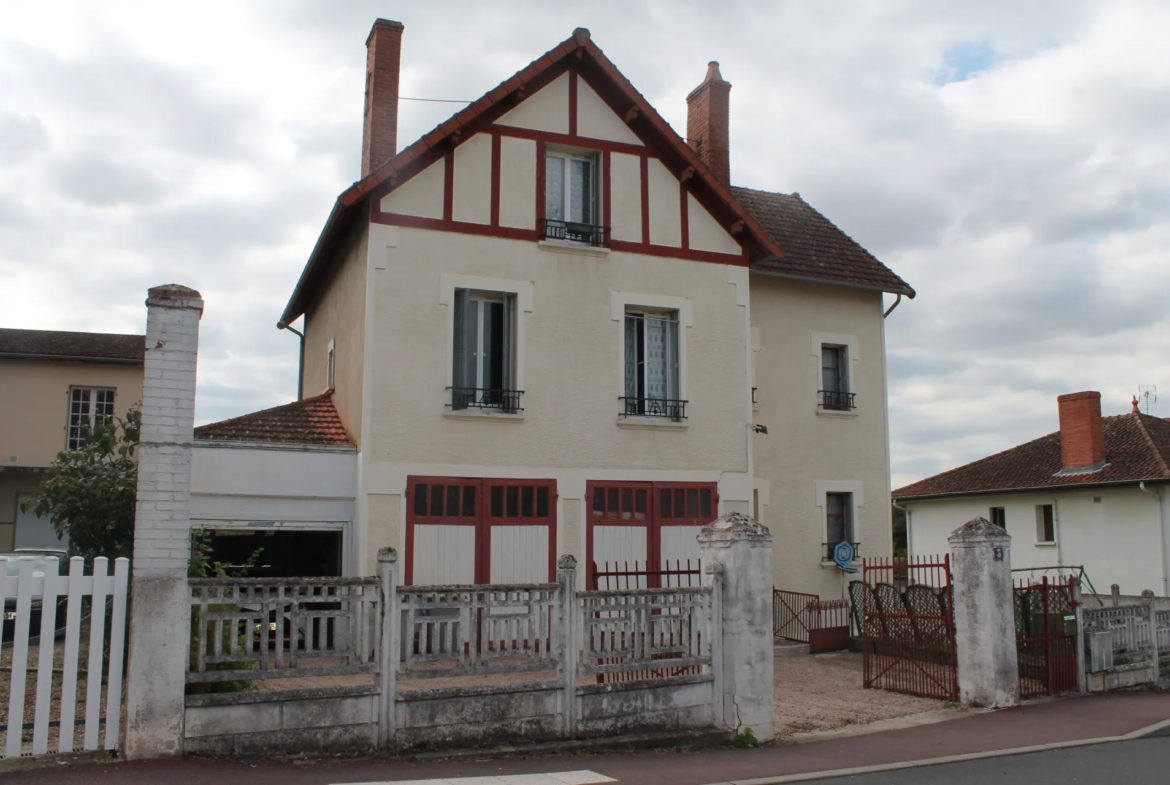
838,522
1045,523
835,392
330,363
999,517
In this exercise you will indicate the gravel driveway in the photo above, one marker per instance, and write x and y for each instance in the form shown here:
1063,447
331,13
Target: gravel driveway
823,691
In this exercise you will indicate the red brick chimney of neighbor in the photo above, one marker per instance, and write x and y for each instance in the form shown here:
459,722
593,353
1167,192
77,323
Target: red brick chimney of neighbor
707,122
1082,439
380,126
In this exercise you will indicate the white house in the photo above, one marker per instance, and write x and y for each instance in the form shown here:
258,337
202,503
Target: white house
551,325
1094,494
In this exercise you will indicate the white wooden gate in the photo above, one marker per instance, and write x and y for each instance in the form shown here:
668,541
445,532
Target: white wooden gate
67,604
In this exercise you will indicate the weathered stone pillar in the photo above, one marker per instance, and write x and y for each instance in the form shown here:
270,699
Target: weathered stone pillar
743,548
160,618
567,578
985,626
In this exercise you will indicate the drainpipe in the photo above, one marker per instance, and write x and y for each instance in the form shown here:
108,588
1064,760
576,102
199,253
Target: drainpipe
1161,534
281,325
890,310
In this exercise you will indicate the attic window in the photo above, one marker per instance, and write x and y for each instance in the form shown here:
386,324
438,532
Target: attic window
570,199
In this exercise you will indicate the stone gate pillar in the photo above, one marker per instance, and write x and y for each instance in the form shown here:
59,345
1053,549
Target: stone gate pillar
160,610
743,548
985,623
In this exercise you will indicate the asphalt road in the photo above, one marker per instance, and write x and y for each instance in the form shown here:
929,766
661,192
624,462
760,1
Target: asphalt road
1126,763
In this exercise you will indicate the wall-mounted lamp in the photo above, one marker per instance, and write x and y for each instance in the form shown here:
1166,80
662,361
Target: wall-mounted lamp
760,429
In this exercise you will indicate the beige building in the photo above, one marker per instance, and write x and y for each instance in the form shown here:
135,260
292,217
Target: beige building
52,384
551,325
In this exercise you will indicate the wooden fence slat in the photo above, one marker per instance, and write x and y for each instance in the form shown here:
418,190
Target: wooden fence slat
46,647
97,634
69,663
19,656
117,652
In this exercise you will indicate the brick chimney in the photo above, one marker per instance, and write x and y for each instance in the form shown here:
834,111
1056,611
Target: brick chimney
380,125
707,122
1082,439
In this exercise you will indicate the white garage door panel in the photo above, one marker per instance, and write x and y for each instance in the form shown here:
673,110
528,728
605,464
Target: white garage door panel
679,543
620,545
444,554
519,554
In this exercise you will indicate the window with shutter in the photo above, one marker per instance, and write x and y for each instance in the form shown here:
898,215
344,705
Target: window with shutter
651,365
482,365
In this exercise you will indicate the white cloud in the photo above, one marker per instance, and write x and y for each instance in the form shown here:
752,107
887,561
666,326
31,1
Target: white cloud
1007,159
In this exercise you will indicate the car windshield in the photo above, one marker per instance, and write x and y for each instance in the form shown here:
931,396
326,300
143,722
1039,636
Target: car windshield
14,560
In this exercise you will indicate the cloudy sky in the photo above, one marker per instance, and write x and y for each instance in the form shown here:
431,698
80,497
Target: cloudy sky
1009,159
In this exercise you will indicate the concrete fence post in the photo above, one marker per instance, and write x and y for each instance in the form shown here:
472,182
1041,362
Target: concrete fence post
388,649
570,624
743,550
160,619
985,621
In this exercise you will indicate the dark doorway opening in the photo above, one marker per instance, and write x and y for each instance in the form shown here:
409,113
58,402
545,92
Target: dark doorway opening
284,554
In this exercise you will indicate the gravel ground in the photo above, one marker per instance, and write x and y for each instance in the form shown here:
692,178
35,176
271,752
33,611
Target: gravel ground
824,691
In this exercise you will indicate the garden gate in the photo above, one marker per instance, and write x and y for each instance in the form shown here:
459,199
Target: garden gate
1046,637
907,625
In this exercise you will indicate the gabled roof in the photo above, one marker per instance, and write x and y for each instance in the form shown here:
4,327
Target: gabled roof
815,249
61,345
308,421
577,51
1137,448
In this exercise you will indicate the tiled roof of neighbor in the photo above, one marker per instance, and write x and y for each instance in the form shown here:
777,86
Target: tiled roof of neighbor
1137,447
814,248
58,343
308,421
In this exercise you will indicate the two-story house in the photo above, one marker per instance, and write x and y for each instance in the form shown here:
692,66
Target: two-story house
551,325
52,386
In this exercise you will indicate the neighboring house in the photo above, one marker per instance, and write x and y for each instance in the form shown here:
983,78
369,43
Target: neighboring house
1095,494
52,385
551,325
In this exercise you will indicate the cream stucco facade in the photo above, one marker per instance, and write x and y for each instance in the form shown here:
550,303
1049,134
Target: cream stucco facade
35,396
387,307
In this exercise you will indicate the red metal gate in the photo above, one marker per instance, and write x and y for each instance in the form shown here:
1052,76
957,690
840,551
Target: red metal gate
806,618
1046,637
907,626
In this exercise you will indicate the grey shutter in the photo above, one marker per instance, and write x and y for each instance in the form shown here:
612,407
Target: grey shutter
463,349
673,390
631,357
508,359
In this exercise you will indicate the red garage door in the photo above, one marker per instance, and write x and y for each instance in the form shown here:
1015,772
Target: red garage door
642,524
461,530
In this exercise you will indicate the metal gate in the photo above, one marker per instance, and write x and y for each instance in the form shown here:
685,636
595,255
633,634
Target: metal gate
1046,637
790,610
908,628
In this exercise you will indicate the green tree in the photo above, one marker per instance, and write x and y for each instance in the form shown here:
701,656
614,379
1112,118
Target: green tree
90,493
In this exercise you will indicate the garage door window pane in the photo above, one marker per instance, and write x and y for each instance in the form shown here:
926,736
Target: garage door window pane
527,501
468,501
453,501
513,496
420,499
437,500
542,502
498,502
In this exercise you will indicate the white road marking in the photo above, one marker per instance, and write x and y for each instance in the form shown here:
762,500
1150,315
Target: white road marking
551,778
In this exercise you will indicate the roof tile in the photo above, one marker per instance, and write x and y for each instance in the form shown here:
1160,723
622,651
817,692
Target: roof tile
308,421
58,343
1137,447
814,247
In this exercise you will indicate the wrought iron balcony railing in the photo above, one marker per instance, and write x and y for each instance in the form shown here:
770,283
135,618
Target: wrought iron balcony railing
655,407
574,232
829,547
492,400
835,399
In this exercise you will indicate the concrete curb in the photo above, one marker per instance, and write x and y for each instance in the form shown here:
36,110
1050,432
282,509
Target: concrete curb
1158,729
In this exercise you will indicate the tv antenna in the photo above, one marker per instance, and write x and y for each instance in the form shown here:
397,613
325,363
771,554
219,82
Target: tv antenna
1147,394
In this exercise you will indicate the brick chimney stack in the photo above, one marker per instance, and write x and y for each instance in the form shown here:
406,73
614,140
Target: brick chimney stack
707,122
380,125
1082,439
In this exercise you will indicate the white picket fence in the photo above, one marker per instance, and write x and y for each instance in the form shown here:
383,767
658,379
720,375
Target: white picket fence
57,592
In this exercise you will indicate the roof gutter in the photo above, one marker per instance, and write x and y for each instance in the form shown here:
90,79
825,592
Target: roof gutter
1032,489
890,310
71,358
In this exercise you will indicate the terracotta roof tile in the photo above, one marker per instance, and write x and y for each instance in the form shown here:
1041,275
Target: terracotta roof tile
1137,447
814,247
309,421
58,343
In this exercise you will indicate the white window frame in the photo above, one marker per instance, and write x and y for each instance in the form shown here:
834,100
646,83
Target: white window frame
823,488
74,443
620,303
670,316
1040,525
852,354
564,158
524,305
330,364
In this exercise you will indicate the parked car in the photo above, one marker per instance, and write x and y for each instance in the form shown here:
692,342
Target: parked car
39,557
